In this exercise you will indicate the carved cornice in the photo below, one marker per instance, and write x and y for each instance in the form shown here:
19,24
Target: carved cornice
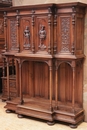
4,3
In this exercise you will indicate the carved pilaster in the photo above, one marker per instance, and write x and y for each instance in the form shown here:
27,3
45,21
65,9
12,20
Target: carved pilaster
33,23
49,23
18,24
5,30
55,32
73,33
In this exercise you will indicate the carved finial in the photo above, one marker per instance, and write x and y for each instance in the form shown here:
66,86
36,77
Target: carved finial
49,10
73,9
17,17
33,11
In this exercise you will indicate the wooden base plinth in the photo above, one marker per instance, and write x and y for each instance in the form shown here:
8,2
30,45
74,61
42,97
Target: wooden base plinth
39,109
69,117
12,105
35,111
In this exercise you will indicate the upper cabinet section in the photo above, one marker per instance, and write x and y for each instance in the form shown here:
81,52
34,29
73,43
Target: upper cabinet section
69,30
29,29
50,29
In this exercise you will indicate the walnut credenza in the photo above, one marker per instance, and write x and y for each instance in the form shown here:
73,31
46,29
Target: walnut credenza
46,42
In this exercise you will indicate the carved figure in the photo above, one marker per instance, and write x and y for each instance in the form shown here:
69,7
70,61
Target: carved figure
27,35
42,35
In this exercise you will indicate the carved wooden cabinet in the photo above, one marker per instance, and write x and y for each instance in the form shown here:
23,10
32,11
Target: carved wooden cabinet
47,44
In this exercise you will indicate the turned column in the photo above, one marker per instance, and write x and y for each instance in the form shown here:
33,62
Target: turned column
50,83
73,90
56,85
20,82
3,68
8,87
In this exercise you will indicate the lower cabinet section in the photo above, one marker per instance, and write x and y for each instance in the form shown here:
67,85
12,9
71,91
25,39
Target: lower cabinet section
46,93
12,85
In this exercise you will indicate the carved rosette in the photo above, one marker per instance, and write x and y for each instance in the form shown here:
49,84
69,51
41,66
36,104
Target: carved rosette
13,34
1,27
65,34
42,36
26,38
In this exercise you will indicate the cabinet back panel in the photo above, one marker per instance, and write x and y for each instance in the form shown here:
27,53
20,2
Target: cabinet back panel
65,83
41,81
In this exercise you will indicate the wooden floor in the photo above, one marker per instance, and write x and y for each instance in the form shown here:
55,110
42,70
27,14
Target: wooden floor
12,122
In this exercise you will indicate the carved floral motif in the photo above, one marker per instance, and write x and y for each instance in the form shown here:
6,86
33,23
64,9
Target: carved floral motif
65,34
42,36
1,27
13,30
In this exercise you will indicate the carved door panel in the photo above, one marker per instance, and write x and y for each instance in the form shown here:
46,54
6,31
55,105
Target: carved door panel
12,34
25,34
42,35
64,34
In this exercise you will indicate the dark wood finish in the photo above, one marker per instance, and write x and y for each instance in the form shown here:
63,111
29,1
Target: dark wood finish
46,42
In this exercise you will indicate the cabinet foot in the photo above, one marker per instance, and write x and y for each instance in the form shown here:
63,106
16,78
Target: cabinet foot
73,126
50,122
8,111
20,116
3,100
